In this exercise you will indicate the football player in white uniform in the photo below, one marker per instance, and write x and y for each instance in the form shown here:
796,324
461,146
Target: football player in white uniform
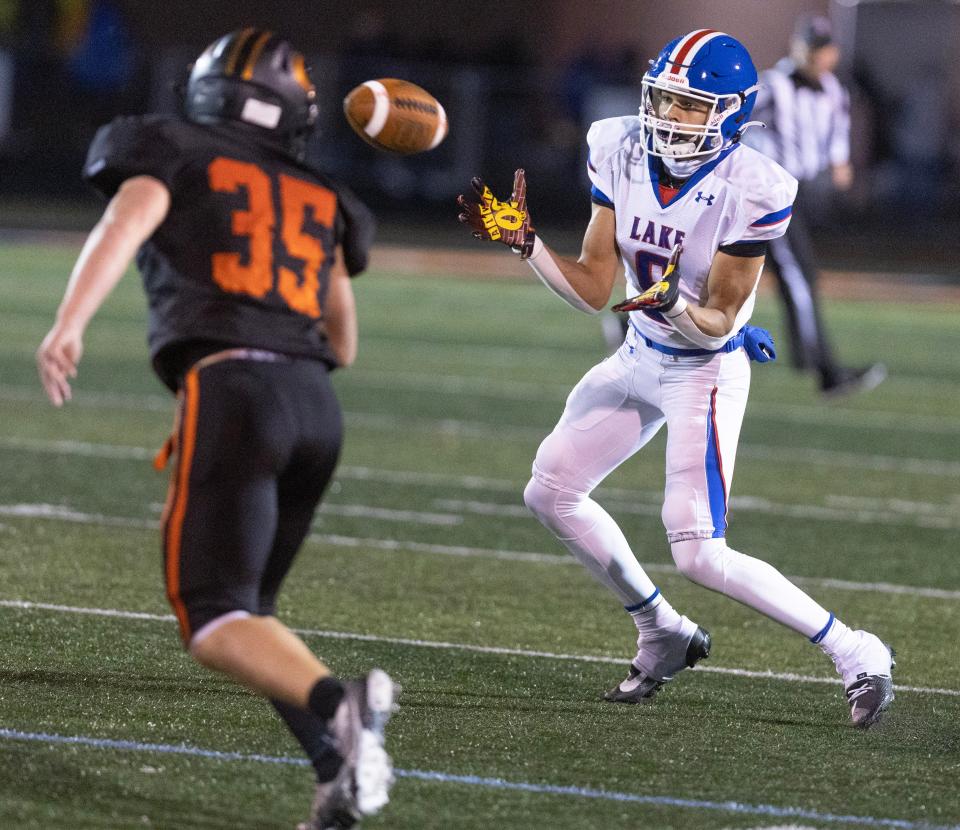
675,178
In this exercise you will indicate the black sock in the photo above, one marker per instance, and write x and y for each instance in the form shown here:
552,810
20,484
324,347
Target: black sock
312,734
325,697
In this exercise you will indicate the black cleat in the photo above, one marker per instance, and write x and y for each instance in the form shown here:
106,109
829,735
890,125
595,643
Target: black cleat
639,687
870,695
847,381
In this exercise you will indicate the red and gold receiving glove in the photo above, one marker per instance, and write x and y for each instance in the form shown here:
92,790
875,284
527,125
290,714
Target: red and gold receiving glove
662,295
506,222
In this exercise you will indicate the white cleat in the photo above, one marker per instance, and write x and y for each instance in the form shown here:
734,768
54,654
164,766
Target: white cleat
362,785
868,679
658,659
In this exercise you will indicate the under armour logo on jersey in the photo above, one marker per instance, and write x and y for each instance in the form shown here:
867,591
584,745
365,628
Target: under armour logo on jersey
708,199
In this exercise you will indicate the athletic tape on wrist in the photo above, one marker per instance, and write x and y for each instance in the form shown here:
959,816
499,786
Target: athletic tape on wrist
683,323
545,267
676,309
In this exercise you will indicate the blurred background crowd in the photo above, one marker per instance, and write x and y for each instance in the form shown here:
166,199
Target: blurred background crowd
521,84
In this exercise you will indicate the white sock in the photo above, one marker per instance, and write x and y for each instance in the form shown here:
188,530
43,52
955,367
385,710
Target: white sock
656,615
836,640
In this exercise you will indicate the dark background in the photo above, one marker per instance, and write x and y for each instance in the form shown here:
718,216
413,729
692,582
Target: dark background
520,83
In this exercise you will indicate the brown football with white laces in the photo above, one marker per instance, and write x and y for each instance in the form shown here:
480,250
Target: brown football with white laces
396,116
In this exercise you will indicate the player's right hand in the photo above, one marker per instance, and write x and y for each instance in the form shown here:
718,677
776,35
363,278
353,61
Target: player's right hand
506,222
662,295
57,360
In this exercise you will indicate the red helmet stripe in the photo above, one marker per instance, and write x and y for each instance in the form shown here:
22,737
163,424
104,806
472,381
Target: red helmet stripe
693,39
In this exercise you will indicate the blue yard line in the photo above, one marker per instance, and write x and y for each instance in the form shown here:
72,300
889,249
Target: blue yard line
488,783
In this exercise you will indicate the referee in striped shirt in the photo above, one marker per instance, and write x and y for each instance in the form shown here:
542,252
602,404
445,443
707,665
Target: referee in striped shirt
806,112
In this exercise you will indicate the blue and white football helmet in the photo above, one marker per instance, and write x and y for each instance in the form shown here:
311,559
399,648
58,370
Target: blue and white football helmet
711,68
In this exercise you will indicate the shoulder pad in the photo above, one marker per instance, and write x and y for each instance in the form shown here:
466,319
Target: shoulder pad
766,190
606,140
358,230
605,137
131,146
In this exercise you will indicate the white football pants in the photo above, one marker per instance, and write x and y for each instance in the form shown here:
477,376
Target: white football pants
616,408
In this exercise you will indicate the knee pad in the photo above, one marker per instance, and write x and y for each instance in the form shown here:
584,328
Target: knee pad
552,507
541,500
681,510
535,497
702,561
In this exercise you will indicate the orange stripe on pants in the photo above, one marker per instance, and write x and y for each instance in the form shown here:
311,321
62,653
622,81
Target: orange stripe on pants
174,527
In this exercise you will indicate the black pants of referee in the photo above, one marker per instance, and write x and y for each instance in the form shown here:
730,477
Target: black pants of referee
790,259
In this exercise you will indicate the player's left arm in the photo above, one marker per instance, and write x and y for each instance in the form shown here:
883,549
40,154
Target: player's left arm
340,313
133,214
729,284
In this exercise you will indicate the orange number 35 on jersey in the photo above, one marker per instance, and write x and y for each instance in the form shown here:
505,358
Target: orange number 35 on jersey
257,224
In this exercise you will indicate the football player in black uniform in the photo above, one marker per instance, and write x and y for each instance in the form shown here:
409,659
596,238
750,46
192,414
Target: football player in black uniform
246,253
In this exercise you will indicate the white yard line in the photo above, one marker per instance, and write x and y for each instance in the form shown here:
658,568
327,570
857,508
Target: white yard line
82,448
364,511
789,677
840,508
64,513
484,386
853,461
128,401
61,513
942,517
796,455
468,429
480,386
428,479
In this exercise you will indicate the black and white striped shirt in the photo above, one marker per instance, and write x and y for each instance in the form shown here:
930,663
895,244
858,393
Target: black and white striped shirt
808,123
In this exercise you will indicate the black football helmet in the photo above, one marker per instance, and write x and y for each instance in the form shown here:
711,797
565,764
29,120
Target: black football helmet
254,77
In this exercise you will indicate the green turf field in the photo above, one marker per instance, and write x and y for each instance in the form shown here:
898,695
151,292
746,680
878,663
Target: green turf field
424,561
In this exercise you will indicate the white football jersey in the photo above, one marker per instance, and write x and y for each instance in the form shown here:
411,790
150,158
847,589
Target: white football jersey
741,196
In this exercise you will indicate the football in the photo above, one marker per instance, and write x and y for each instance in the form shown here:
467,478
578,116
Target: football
396,115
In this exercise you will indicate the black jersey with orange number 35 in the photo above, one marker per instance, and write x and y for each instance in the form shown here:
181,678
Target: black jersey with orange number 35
244,255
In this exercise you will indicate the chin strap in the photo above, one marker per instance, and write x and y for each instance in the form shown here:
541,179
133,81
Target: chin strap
739,133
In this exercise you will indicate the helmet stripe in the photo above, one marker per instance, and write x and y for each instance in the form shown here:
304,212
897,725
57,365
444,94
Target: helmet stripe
687,49
255,54
681,43
242,38
300,72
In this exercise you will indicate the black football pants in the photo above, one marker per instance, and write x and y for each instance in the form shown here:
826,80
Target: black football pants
257,442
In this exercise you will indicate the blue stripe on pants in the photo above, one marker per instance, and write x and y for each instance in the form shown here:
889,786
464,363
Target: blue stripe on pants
716,486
